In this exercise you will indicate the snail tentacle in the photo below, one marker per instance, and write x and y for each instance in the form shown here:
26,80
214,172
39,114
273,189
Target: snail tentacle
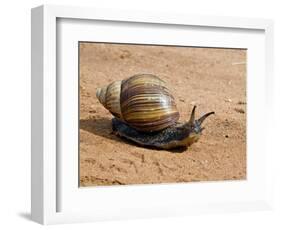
201,119
192,116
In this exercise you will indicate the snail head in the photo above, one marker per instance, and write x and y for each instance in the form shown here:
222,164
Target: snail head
194,127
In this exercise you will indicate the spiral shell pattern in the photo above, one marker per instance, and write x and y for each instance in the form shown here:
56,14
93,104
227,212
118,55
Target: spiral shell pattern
142,101
109,97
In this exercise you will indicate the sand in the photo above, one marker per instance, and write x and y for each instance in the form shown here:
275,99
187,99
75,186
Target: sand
213,79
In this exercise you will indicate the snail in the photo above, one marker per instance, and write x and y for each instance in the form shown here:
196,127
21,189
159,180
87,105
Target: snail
145,112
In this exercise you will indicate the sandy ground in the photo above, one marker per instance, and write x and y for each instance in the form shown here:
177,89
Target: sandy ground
213,79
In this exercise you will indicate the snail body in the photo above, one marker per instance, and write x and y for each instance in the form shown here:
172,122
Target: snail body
145,112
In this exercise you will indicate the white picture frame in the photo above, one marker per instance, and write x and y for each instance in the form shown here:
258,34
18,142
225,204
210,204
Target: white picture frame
59,200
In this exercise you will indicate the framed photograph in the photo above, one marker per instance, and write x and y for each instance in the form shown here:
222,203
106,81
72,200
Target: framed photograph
145,114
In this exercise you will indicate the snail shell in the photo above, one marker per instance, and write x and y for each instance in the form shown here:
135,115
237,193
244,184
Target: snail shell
142,101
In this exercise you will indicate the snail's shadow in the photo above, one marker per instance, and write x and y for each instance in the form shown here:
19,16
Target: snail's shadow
103,127
100,127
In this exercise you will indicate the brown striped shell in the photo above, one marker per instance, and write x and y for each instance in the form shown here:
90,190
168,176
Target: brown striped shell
142,101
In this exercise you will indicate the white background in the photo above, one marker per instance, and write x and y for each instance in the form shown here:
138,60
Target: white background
185,196
15,114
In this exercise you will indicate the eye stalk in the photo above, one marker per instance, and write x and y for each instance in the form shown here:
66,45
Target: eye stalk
196,124
192,116
201,119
